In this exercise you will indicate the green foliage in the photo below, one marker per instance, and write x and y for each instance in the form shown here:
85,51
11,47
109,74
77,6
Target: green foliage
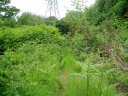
34,69
9,22
7,14
89,61
63,26
79,5
29,71
105,9
13,38
104,32
1,23
29,19
12,23
74,20
121,8
7,11
93,80
51,20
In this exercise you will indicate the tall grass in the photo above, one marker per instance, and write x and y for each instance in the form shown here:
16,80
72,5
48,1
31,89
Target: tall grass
92,81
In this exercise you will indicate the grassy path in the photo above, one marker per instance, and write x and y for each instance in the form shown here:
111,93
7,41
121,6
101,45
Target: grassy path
63,82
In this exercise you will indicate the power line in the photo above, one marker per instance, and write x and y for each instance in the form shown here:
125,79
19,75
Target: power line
52,8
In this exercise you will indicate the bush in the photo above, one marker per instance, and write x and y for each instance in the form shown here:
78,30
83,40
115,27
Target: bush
14,37
63,27
51,20
29,72
30,19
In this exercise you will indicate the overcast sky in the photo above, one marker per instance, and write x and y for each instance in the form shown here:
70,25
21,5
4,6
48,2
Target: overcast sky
39,7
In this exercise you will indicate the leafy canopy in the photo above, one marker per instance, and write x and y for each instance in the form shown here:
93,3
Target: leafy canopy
7,11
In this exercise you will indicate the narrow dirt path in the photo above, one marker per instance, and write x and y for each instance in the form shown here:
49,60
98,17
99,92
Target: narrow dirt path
63,82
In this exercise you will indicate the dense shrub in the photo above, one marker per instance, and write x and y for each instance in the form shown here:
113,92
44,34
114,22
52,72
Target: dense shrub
30,19
63,26
74,19
12,38
29,72
105,9
51,20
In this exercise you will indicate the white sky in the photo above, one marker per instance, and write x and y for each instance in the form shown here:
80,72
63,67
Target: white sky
38,7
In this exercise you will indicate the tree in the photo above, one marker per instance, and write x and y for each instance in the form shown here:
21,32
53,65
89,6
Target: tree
51,20
7,11
74,20
63,26
80,5
30,19
109,8
106,10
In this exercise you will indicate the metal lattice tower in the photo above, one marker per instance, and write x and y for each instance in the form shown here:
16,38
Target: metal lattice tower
52,8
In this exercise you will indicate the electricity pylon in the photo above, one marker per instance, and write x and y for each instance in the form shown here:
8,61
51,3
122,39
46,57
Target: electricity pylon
52,8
